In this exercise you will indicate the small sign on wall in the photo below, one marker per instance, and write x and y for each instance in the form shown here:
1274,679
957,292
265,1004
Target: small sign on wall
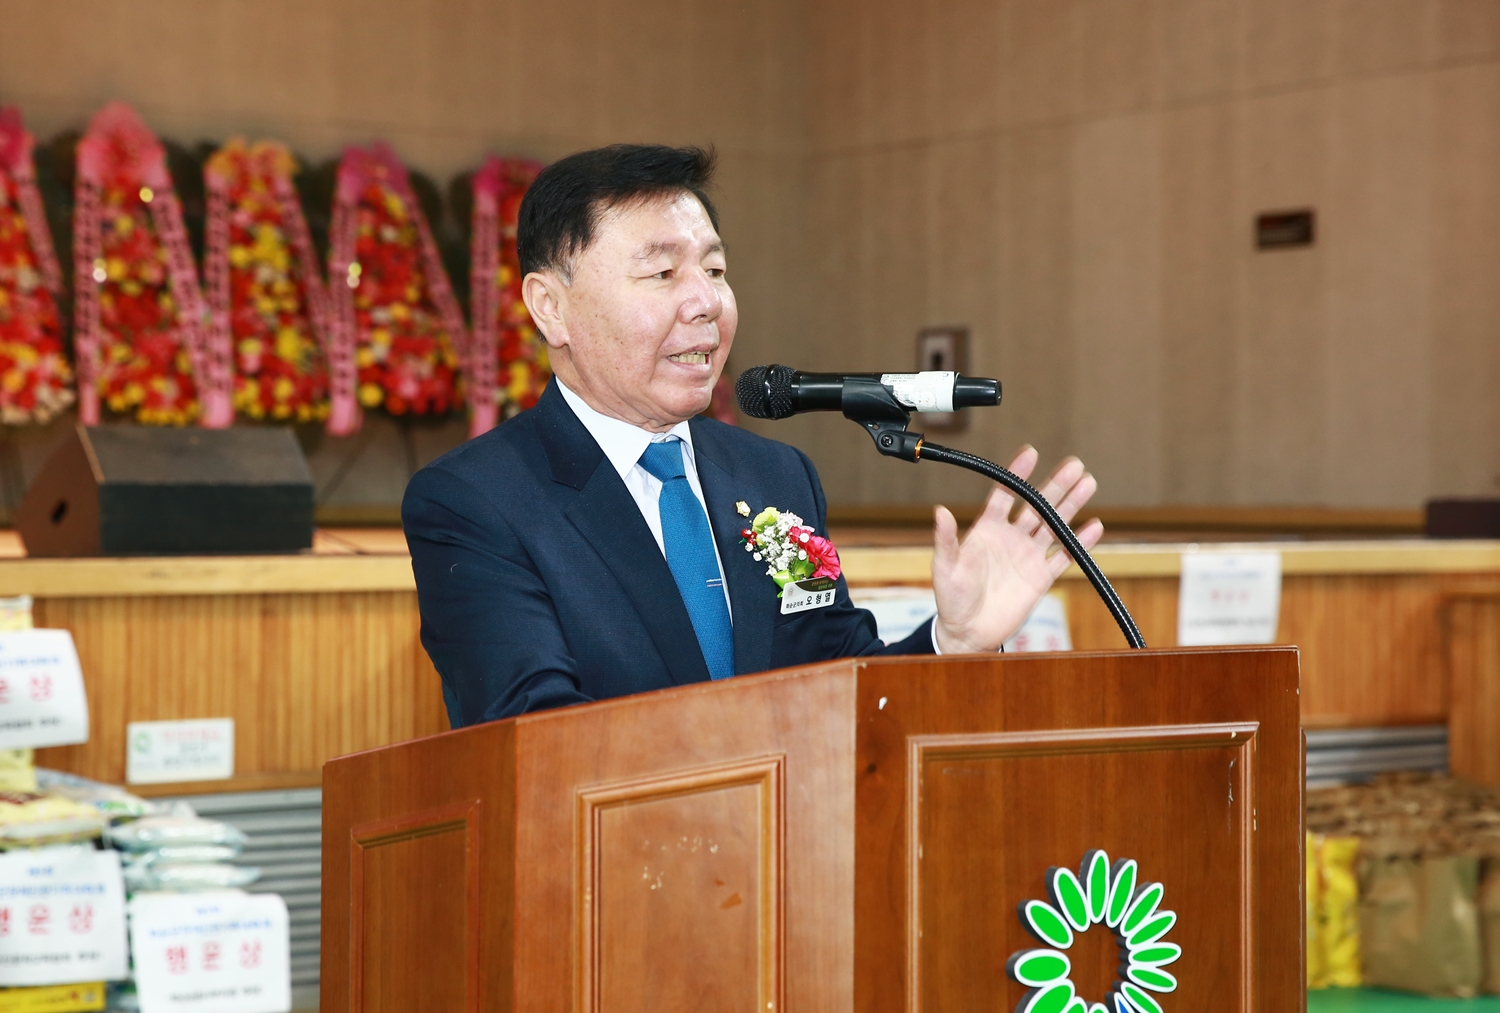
1280,230
160,752
1228,598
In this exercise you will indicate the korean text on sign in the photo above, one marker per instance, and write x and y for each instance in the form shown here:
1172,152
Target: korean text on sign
219,952
62,916
42,702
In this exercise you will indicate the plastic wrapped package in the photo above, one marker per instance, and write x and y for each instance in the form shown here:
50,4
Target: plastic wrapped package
1419,924
17,770
1317,974
196,853
1489,918
1338,910
152,832
187,876
30,820
114,802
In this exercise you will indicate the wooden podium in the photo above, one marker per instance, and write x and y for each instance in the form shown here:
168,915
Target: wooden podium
850,836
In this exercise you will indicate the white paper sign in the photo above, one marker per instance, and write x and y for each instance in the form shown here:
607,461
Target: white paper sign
218,952
1228,598
62,916
42,702
158,752
1046,629
898,611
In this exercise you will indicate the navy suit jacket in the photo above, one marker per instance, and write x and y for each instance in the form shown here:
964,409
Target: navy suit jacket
541,585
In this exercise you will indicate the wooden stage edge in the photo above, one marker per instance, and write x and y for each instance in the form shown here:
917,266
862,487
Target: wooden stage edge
376,560
317,655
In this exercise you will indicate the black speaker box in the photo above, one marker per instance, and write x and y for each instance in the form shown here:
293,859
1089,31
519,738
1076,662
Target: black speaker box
133,490
1463,518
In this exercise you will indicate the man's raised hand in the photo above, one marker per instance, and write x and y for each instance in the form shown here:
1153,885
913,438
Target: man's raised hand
988,583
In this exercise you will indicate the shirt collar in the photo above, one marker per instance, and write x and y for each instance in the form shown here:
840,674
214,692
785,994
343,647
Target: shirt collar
622,442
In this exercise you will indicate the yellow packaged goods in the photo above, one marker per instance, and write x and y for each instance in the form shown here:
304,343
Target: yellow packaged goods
1338,910
28,820
53,998
17,770
1317,975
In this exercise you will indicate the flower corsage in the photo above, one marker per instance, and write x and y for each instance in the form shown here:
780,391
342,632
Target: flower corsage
789,548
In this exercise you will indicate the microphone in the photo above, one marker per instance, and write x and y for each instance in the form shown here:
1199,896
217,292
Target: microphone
779,392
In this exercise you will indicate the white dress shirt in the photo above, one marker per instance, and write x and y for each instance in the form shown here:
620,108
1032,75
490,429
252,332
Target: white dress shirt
624,444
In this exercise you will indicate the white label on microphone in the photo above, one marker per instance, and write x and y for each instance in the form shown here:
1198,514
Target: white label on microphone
813,593
926,392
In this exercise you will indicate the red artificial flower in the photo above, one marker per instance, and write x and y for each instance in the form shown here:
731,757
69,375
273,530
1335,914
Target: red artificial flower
823,555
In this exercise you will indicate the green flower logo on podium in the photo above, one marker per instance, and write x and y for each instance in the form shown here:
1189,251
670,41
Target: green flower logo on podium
1106,894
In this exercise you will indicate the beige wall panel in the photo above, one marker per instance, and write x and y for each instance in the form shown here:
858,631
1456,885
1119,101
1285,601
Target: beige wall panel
963,52
1286,42
1376,398
1380,36
1117,407
1199,40
1039,65
443,81
835,42
1464,433
895,67
1118,59
1203,242
1279,361
1467,29
1036,357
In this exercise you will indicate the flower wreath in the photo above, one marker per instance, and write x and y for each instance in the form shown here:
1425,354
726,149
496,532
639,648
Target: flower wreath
507,364
399,330
35,379
142,336
263,283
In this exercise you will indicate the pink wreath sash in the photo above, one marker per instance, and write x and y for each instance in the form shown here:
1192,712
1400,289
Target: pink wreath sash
506,368
117,153
255,225
410,370
35,373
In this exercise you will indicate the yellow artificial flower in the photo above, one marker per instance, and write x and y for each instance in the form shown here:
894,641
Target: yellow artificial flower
370,395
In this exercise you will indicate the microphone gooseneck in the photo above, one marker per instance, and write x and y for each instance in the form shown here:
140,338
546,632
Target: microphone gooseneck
871,399
1070,543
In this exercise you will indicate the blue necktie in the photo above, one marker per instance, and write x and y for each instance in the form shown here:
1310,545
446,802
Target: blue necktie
690,556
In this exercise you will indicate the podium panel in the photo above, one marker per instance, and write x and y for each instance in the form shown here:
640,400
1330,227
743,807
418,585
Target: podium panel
867,835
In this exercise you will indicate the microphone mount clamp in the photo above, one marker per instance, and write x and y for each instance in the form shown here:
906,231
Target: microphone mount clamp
874,407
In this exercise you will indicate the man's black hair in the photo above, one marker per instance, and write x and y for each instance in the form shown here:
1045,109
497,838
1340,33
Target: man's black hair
562,206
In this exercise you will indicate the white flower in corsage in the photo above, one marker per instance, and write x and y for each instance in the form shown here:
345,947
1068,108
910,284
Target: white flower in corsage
789,548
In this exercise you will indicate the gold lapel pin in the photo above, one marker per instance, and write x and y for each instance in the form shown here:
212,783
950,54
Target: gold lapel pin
742,508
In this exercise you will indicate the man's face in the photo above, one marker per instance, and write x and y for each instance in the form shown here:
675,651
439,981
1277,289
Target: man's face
642,331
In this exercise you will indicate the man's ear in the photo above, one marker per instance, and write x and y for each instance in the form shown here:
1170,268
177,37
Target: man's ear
546,296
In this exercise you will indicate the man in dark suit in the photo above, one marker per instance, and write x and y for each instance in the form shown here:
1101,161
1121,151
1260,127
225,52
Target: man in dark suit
590,547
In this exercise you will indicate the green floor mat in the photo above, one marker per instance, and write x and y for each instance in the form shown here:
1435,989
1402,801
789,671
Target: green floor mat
1371,1000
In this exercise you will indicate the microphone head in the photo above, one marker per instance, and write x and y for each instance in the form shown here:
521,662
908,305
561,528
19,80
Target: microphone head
765,392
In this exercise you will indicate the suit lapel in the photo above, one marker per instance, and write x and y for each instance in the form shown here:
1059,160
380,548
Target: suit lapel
607,516
752,594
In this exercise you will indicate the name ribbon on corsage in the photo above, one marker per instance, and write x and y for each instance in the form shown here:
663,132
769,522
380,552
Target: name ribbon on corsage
804,566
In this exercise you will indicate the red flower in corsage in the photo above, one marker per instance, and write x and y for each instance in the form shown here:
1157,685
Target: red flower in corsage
789,548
